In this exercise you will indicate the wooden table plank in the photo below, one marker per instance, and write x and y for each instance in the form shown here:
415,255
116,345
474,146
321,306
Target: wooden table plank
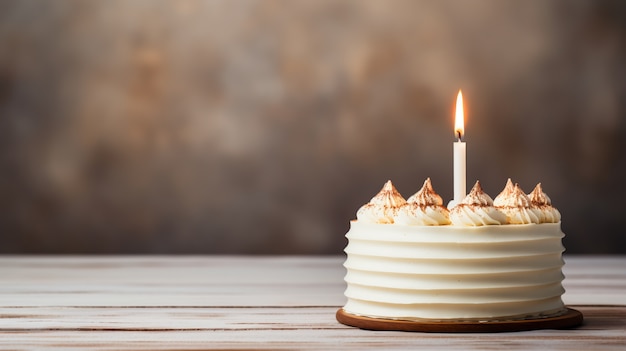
254,303
603,331
595,280
172,281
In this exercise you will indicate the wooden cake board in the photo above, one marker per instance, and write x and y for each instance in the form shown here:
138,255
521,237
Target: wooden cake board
570,319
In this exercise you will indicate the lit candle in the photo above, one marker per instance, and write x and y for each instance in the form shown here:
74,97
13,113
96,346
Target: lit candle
459,151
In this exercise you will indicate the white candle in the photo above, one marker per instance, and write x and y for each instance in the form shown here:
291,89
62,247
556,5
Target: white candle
459,152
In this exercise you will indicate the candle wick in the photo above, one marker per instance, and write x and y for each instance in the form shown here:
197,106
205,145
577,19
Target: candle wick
458,135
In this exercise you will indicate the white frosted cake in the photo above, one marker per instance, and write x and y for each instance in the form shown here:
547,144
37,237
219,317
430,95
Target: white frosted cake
482,260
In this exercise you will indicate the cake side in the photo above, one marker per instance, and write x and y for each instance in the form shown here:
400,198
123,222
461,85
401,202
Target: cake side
450,272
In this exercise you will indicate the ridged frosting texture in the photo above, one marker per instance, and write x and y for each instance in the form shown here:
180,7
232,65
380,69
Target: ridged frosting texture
383,207
516,205
543,206
476,209
423,208
451,272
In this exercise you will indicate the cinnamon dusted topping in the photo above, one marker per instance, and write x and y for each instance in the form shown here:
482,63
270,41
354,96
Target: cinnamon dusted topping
543,206
506,193
388,196
423,208
476,209
383,207
477,197
426,196
517,206
538,197
515,197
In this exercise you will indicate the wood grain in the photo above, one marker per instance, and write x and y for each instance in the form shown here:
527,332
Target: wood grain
251,303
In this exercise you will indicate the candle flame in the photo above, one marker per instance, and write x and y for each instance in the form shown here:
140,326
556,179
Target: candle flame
459,118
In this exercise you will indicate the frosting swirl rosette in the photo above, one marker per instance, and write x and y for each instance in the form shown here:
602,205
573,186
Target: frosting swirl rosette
543,206
516,205
383,207
423,208
476,209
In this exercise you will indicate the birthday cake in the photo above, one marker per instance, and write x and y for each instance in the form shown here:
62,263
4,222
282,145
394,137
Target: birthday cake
481,260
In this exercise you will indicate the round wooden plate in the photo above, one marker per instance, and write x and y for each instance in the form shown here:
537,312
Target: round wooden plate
570,319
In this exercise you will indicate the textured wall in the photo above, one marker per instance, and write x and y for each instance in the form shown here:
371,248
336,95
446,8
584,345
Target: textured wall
261,126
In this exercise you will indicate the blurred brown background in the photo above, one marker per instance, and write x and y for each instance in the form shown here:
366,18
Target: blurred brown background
261,126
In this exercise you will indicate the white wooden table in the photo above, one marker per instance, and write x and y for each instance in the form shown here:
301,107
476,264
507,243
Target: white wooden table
252,303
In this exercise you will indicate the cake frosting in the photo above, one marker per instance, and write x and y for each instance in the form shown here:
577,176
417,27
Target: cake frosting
383,207
423,208
517,205
541,203
412,260
477,209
